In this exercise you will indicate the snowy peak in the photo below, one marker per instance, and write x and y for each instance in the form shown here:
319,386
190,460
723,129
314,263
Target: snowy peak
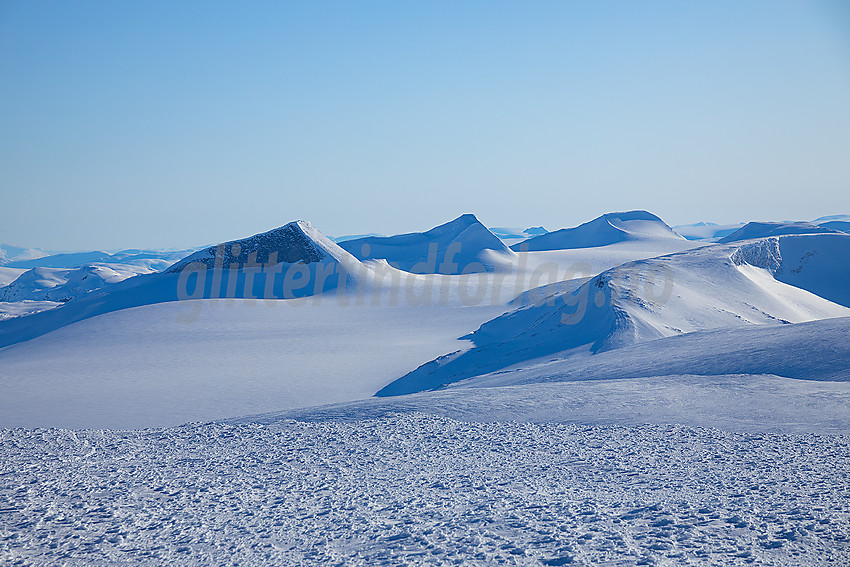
296,242
607,229
461,245
10,254
764,229
64,284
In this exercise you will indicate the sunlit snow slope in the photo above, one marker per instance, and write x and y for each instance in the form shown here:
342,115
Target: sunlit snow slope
707,288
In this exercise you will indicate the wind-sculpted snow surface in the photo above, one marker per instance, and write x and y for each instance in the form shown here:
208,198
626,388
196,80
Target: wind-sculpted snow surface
422,490
631,304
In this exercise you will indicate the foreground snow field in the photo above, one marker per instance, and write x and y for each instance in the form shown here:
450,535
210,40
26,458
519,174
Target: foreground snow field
416,489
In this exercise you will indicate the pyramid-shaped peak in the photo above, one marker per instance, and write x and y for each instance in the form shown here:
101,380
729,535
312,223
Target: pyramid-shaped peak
294,242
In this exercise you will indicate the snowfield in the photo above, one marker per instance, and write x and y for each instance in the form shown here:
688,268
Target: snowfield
424,490
609,394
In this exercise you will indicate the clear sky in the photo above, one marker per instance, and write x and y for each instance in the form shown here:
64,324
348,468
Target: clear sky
177,123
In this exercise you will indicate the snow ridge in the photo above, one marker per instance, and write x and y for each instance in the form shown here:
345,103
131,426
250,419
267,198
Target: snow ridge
635,303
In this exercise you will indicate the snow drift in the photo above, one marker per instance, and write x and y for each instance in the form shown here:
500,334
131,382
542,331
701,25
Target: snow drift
609,228
707,288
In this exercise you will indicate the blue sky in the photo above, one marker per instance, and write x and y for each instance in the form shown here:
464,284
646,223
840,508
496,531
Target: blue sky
159,124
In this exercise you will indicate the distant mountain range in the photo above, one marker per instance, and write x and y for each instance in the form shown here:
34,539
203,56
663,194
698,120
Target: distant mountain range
296,260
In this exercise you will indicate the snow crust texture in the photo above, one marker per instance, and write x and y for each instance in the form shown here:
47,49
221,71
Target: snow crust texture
422,490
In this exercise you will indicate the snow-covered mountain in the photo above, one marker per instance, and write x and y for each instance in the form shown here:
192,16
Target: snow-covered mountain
10,254
295,260
8,275
62,285
609,228
293,243
707,288
152,260
658,292
834,222
511,236
463,245
203,359
707,231
347,237
764,229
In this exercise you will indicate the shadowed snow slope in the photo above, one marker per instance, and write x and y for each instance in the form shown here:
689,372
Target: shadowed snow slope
819,263
462,245
290,262
706,288
789,378
610,228
763,229
813,350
